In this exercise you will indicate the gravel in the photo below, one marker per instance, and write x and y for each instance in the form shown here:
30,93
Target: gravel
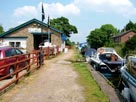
56,81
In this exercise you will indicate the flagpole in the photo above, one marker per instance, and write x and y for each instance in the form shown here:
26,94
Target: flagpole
48,34
43,17
48,28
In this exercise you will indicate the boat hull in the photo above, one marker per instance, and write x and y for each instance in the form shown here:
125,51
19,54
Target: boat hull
130,83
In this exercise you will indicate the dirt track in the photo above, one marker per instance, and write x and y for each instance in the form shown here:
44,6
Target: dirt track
54,82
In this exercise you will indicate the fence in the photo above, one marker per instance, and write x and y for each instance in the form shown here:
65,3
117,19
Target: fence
31,62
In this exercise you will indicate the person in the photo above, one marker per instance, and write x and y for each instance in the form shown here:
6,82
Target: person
41,54
114,57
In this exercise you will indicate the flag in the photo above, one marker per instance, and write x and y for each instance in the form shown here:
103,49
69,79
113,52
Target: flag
43,15
48,21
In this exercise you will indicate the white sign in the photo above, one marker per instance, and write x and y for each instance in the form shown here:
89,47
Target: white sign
32,30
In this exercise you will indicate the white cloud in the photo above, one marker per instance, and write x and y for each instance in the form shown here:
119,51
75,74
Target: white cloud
123,7
25,11
58,9
54,9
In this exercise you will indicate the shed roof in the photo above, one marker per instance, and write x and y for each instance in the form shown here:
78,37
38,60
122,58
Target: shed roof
123,33
28,23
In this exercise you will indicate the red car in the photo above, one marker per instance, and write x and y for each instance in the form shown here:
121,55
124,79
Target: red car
5,58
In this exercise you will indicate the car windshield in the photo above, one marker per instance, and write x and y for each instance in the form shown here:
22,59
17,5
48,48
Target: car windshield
102,57
108,57
105,56
18,52
131,65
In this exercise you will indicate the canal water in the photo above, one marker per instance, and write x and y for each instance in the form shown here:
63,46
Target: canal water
115,82
113,79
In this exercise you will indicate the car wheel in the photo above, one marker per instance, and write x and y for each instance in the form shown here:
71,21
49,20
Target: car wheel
11,71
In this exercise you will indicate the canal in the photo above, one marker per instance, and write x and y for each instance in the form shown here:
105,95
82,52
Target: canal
116,82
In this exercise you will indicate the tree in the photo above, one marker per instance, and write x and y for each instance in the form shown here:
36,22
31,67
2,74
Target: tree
63,24
102,36
130,26
109,29
1,29
96,38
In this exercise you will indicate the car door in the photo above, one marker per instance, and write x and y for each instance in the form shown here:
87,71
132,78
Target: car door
20,57
8,54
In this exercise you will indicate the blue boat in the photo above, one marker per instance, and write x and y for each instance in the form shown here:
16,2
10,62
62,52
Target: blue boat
128,75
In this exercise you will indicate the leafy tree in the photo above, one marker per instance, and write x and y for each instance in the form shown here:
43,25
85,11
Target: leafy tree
63,24
96,38
130,26
109,29
1,29
102,36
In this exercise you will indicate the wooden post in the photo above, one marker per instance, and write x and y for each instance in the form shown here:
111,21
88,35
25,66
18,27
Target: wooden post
17,68
28,61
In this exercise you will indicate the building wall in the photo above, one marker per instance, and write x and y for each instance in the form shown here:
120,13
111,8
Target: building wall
23,32
127,36
116,39
56,39
22,44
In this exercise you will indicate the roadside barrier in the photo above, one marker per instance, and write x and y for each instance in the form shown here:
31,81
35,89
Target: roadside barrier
22,67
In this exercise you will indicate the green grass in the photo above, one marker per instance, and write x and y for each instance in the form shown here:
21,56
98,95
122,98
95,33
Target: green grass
92,91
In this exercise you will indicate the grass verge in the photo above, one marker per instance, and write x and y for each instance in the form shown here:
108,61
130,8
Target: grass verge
92,91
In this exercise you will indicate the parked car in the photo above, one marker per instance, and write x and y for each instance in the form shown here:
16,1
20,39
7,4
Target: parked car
6,54
107,61
128,79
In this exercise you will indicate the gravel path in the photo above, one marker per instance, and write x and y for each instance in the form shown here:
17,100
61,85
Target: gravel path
54,82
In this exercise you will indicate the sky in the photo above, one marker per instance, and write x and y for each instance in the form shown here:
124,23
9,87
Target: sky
86,15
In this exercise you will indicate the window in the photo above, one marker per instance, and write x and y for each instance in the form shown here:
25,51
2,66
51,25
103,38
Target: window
18,44
9,53
102,57
15,44
130,36
12,44
105,57
18,52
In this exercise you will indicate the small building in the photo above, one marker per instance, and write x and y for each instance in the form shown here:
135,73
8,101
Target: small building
124,36
30,34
